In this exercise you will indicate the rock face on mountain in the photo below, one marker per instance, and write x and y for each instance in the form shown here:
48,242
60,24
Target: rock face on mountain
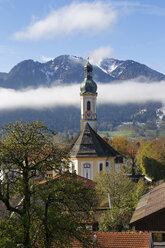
67,69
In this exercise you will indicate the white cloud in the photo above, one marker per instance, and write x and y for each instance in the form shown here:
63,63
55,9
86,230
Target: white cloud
46,59
87,16
117,93
39,98
102,52
131,92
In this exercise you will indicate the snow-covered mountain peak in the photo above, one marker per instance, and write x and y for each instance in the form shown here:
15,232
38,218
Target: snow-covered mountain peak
110,64
160,113
76,59
69,69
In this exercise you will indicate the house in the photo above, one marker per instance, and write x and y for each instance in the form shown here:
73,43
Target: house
87,182
149,215
115,240
90,154
92,223
118,240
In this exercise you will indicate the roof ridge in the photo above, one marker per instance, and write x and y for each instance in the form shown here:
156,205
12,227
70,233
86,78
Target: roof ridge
122,233
100,138
91,144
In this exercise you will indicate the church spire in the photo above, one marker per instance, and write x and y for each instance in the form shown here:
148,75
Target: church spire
88,93
88,85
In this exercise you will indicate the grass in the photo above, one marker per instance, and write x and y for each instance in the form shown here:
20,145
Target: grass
133,132
126,131
112,134
161,132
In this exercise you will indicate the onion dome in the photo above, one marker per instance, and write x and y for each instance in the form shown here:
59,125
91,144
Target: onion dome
88,67
88,85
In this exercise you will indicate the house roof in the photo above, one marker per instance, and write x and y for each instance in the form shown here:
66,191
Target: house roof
90,144
150,203
87,182
119,240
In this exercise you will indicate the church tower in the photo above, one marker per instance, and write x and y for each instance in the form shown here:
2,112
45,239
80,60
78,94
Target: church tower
88,94
89,153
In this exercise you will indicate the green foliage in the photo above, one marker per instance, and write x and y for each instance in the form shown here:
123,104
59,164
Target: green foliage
124,195
161,132
10,233
65,206
135,131
44,213
120,144
152,159
127,149
26,152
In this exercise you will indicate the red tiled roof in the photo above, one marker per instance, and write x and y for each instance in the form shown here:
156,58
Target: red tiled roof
87,182
51,179
49,172
119,240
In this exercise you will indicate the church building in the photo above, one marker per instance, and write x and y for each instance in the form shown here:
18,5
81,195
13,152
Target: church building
90,154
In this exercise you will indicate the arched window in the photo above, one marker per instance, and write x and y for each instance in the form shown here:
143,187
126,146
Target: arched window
88,105
101,167
87,171
108,165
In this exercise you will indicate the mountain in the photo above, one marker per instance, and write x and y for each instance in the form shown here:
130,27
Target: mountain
64,69
67,69
68,118
2,75
129,69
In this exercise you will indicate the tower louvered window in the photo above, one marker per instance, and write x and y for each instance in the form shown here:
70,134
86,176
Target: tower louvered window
88,105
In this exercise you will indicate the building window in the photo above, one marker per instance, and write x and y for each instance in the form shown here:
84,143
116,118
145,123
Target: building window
88,105
100,167
107,165
73,167
117,167
48,175
87,171
158,237
119,160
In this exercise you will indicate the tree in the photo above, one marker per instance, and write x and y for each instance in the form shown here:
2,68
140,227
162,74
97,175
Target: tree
152,159
10,233
65,207
26,152
128,149
132,149
120,144
50,213
123,194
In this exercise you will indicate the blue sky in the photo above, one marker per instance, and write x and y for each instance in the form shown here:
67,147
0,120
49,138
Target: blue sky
39,30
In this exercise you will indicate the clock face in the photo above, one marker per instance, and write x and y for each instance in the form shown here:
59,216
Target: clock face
88,114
